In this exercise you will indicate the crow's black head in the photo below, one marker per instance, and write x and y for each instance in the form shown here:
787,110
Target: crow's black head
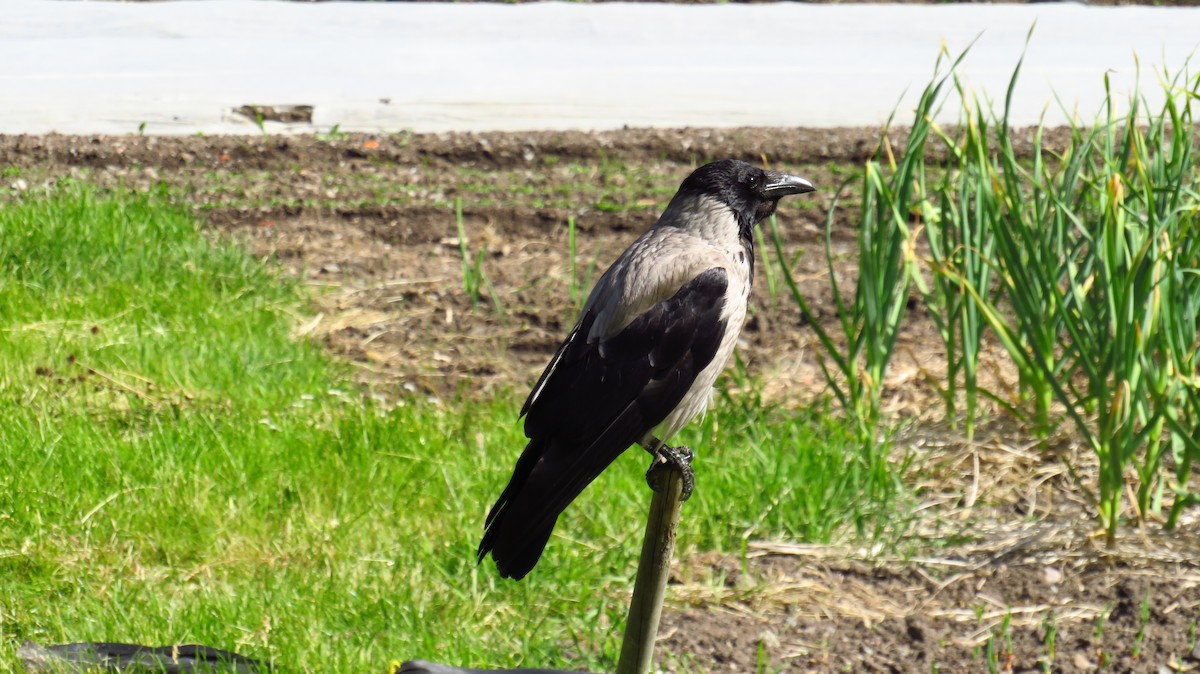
750,192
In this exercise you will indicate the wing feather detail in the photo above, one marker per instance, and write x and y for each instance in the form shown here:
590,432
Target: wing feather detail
595,399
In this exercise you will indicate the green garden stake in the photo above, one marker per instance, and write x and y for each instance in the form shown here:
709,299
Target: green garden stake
654,567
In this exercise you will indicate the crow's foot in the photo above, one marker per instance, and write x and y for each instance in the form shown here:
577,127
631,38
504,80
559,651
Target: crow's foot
677,457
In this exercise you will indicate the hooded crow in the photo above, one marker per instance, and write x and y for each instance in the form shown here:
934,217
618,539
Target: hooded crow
657,329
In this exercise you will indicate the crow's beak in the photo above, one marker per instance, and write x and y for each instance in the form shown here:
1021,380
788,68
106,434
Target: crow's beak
780,185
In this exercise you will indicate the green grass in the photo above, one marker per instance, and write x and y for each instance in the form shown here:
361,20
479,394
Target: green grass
177,468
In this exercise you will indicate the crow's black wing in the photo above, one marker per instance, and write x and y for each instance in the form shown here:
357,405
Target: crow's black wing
594,400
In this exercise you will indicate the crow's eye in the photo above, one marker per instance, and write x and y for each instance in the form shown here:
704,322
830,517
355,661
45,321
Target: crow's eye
754,180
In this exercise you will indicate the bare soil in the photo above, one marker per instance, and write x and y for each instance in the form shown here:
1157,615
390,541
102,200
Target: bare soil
1003,549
